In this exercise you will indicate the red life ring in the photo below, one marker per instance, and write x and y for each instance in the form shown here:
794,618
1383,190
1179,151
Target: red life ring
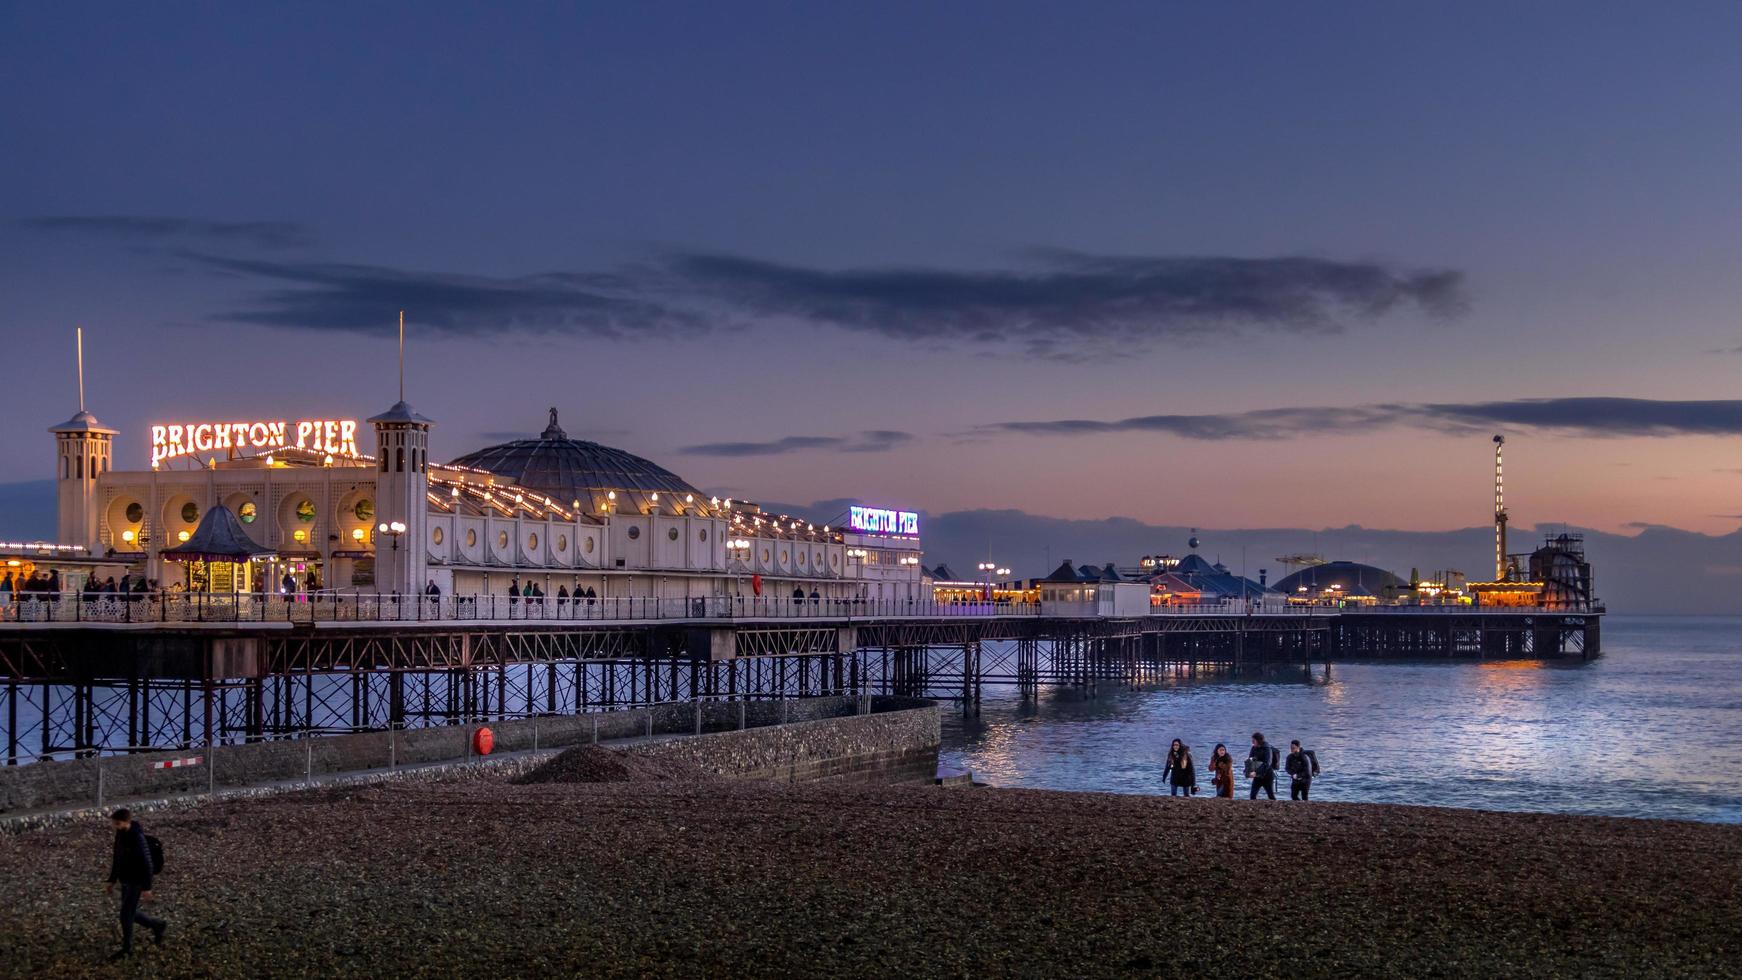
483,740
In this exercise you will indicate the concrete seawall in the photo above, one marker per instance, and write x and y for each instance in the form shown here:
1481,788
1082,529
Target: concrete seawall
896,739
898,744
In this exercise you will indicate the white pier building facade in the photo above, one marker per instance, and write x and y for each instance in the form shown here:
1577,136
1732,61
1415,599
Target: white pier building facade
385,518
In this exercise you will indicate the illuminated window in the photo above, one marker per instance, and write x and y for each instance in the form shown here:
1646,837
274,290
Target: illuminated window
471,538
135,513
247,512
305,511
435,534
365,510
501,539
190,512
532,542
562,542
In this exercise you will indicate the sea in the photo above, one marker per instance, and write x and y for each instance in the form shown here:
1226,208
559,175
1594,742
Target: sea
1652,728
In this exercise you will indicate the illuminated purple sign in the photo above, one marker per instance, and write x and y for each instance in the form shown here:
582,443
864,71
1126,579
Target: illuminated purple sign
872,520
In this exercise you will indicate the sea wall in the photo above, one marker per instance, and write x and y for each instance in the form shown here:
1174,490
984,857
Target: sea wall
897,744
94,782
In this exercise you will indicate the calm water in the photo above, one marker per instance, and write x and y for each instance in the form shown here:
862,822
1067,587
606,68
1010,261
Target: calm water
1653,729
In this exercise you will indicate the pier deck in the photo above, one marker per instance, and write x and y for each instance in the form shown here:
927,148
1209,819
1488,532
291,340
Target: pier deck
115,676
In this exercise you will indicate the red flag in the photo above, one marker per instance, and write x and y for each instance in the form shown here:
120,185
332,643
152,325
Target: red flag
756,584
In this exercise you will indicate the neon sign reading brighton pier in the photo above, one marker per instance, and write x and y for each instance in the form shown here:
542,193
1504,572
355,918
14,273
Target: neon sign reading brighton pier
335,436
871,520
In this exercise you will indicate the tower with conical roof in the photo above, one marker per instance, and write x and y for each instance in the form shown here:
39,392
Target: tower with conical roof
83,448
401,492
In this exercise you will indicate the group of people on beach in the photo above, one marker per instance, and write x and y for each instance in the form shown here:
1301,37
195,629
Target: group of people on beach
1263,761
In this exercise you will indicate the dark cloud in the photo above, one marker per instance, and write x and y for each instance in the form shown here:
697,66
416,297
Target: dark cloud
260,234
870,441
1578,416
1068,303
368,298
1054,304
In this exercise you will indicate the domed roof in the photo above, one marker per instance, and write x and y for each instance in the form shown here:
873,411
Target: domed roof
574,469
1347,577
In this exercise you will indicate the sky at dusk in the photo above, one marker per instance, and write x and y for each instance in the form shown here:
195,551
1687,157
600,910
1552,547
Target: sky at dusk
1220,265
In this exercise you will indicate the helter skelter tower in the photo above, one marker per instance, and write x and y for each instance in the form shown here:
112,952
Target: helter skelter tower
1499,512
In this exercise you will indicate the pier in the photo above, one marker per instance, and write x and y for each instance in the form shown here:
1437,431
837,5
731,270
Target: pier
119,675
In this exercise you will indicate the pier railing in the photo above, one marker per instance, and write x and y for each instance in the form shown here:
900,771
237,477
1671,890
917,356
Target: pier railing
330,607
337,607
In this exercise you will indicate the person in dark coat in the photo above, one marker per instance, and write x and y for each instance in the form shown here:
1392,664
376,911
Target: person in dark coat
1302,766
130,867
1180,773
1261,766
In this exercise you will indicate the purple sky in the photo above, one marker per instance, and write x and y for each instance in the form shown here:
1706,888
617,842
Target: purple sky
800,253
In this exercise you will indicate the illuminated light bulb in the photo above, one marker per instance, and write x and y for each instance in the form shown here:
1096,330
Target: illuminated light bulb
300,535
128,536
329,460
356,534
610,495
183,536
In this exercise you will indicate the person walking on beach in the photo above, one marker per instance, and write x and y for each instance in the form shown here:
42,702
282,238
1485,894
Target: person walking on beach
1261,767
131,867
1302,766
1180,773
1222,772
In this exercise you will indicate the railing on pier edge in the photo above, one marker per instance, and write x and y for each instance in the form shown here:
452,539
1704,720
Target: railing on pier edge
337,607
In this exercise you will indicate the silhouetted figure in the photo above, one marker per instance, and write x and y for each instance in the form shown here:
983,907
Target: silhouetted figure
131,867
1261,764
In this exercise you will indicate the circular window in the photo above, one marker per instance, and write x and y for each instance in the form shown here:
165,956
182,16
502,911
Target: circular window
305,511
562,542
702,534
785,555
501,539
532,542
436,535
672,534
135,513
765,555
634,532
834,560
588,547
365,510
247,512
803,559
471,538
190,512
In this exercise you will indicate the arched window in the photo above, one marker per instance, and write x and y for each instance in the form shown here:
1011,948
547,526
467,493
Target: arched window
383,460
81,467
66,467
399,460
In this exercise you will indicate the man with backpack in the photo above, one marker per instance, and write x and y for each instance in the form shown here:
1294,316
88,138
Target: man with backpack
1302,766
1261,765
136,858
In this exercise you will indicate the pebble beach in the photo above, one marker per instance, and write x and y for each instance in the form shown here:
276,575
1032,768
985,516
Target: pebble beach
596,866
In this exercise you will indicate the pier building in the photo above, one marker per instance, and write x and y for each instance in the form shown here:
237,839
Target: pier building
551,511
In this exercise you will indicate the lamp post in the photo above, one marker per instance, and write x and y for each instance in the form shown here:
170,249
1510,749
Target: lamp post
393,530
987,569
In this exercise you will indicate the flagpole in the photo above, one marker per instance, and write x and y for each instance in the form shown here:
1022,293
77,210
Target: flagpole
401,356
79,340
